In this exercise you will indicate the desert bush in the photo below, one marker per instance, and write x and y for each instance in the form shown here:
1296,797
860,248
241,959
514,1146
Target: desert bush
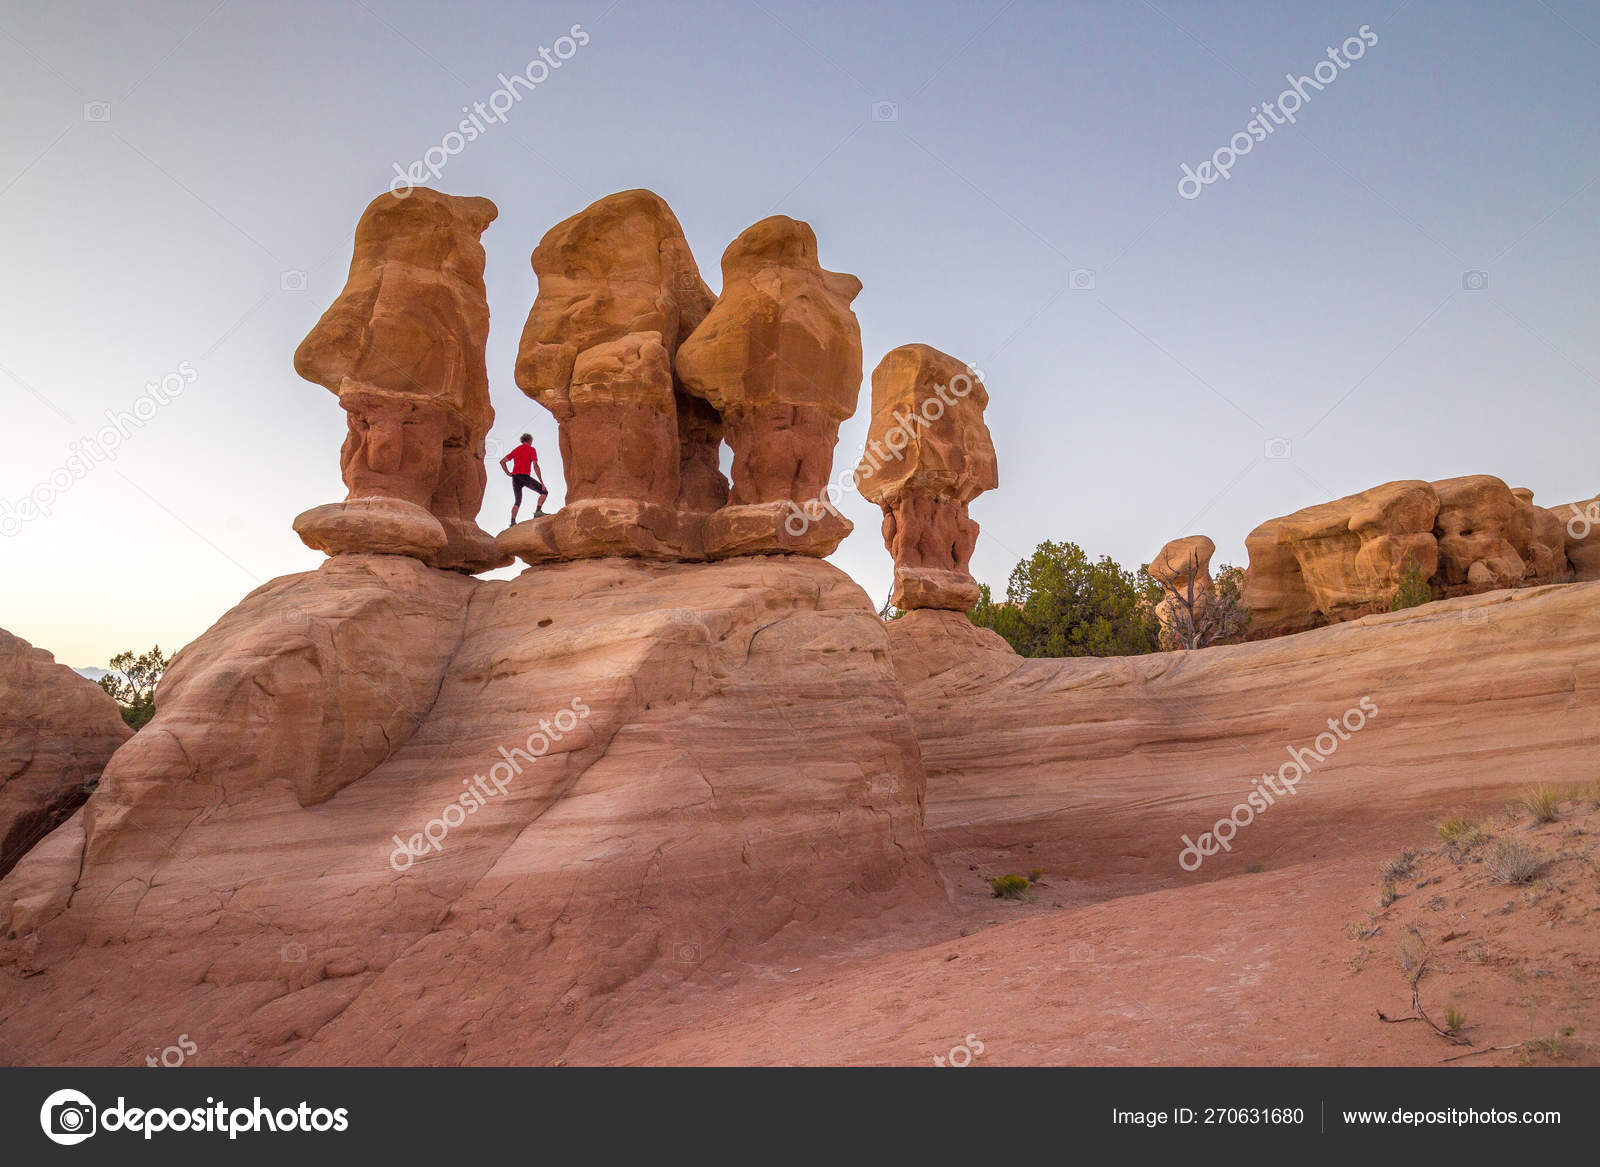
1413,950
1454,1018
1059,602
1009,887
1458,830
132,684
1511,863
1198,617
1413,590
1540,801
1400,867
1554,1047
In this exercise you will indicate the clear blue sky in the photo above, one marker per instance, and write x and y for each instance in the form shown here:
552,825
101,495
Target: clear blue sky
1316,295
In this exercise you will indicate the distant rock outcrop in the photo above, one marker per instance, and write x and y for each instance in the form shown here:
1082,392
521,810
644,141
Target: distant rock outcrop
1345,559
1183,568
928,455
1581,536
57,731
403,347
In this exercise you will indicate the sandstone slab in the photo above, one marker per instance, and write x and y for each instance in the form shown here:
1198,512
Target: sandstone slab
57,732
595,782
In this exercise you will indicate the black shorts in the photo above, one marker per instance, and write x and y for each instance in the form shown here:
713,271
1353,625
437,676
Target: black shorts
519,481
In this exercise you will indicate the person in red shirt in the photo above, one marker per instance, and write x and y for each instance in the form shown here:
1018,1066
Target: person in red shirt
524,472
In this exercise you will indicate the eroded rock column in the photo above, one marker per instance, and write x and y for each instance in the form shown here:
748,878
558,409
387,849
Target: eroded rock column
778,358
403,348
618,292
928,455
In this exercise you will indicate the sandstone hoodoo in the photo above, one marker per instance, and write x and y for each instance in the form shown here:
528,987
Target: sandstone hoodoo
646,373
57,731
1345,559
435,819
403,348
1183,568
618,293
391,813
778,358
928,455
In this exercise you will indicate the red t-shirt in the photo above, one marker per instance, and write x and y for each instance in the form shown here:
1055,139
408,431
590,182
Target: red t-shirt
523,458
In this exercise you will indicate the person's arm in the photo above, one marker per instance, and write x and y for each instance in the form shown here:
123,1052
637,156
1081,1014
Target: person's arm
503,462
537,473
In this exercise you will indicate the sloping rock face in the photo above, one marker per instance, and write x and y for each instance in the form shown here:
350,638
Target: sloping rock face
1060,753
392,814
1345,559
57,731
403,348
928,455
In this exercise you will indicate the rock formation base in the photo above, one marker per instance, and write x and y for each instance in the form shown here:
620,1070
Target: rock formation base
372,526
595,528
773,528
655,770
933,588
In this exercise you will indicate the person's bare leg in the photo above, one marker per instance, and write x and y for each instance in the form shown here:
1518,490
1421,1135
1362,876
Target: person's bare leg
539,508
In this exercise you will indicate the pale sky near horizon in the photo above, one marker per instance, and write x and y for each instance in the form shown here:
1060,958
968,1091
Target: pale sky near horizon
180,181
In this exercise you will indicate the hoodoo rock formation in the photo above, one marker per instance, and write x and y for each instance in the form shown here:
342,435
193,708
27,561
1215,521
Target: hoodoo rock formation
1183,568
403,348
390,813
646,373
618,293
1345,559
57,730
778,358
928,455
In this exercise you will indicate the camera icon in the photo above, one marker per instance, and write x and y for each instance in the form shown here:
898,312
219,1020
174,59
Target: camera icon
292,280
293,952
1276,449
294,617
1080,279
1474,281
97,111
885,111
1475,615
1080,953
68,1117
688,281
686,953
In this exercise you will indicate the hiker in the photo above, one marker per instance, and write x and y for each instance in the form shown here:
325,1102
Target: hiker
524,471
